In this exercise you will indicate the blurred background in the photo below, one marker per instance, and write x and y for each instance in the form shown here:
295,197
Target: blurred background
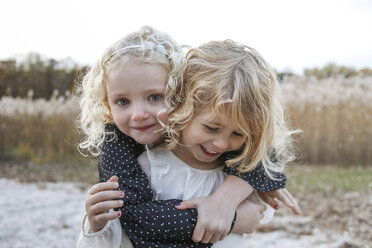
321,51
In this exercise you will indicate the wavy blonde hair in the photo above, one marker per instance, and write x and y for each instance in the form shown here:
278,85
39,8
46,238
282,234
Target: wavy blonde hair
231,78
146,45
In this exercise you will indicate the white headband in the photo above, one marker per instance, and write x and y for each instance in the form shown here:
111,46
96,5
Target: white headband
146,46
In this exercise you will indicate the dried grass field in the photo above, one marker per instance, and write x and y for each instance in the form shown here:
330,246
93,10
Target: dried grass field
332,178
333,113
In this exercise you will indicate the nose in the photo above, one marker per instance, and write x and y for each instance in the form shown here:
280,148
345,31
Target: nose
139,112
222,143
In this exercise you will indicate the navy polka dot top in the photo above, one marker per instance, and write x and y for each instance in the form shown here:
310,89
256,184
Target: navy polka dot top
150,223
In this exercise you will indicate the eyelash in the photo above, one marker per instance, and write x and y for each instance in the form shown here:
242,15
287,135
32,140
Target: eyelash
121,104
155,95
150,99
238,134
212,129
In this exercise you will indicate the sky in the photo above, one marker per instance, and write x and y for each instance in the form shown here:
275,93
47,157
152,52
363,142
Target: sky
290,34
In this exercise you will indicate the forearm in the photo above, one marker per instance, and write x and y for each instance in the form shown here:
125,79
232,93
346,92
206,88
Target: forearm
258,179
233,191
158,222
144,220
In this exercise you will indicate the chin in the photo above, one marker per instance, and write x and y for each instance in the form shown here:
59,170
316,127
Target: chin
145,140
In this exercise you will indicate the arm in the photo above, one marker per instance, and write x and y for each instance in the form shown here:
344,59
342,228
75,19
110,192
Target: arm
109,236
248,217
258,178
146,222
234,190
221,203
101,228
268,189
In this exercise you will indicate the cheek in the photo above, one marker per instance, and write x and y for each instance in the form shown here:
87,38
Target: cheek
193,137
162,117
237,144
119,117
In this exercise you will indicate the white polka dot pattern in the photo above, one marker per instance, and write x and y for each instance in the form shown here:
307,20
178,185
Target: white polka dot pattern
151,223
147,223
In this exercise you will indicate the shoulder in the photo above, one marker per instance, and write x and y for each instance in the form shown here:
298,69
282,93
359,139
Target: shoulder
158,153
117,140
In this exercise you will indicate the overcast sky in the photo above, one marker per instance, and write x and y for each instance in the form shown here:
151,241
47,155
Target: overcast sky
290,34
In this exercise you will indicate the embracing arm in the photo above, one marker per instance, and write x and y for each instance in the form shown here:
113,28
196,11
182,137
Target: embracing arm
233,191
268,189
145,221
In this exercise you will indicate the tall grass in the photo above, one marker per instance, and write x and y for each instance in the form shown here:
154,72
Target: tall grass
335,115
38,130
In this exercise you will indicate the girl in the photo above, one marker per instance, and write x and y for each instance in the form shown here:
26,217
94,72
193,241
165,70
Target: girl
144,59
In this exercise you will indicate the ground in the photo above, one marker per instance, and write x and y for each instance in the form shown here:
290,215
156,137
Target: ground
47,213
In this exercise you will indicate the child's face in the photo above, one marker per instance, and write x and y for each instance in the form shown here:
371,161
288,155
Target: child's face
207,137
135,95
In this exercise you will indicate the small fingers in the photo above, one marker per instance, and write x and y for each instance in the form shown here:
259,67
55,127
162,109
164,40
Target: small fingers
223,236
113,179
186,205
296,209
281,196
215,238
261,208
104,207
198,231
207,237
103,196
104,217
102,187
269,200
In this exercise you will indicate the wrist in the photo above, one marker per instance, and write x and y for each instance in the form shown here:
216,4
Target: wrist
233,223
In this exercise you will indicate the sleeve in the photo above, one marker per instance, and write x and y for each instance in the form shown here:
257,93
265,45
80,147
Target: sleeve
110,236
257,177
147,223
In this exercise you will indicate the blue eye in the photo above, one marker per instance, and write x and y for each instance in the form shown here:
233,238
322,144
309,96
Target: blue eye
123,102
155,98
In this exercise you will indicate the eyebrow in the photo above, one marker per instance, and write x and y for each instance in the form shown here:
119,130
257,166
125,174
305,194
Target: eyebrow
155,89
148,91
213,122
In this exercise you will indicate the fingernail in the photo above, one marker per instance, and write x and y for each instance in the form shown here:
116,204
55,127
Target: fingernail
276,207
119,214
120,203
116,184
178,204
121,193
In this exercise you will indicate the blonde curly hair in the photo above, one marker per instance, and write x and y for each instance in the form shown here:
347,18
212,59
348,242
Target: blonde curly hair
232,78
146,45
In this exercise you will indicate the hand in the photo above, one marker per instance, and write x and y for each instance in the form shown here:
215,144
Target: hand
215,217
248,216
282,195
99,200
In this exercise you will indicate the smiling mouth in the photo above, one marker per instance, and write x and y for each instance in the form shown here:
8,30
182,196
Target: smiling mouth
144,128
209,153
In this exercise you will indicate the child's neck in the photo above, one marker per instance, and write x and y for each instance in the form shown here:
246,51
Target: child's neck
158,141
186,156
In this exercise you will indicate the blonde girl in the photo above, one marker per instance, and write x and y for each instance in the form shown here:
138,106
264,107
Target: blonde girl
118,104
229,101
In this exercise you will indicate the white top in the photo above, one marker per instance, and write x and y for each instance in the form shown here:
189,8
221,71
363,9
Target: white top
170,178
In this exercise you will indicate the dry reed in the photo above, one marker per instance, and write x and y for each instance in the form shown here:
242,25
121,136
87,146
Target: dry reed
334,114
